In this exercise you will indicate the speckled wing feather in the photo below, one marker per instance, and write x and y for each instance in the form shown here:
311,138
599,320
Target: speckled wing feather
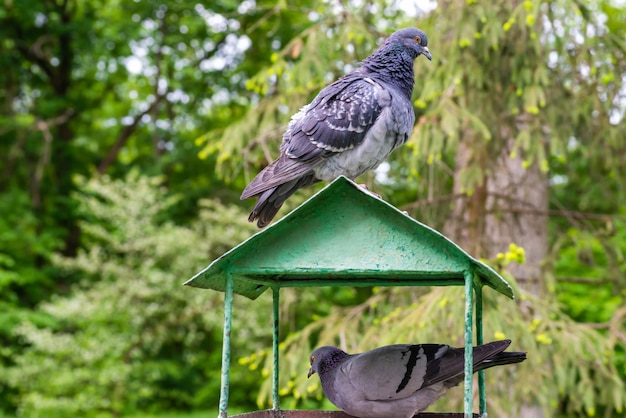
338,119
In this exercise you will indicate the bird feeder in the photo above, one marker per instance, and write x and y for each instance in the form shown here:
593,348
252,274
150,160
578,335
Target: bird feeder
379,246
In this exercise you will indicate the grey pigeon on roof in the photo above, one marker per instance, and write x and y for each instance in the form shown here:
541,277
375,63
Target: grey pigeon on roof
399,381
349,128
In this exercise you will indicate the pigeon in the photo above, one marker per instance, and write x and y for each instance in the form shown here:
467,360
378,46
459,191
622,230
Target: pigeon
401,380
350,127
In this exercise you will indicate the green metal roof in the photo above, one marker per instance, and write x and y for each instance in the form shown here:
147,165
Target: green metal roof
344,236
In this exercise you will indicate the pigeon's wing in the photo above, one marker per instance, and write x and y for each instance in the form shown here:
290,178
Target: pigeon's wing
337,120
393,372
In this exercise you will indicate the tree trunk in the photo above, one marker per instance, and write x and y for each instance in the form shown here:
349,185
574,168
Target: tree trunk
517,212
511,206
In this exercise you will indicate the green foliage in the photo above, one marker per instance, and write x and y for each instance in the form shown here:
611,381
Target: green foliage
130,337
507,71
71,105
592,268
70,96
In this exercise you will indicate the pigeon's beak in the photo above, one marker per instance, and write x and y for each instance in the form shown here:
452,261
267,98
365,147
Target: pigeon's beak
426,53
311,373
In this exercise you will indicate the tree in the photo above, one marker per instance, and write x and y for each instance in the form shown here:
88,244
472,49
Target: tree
80,100
511,125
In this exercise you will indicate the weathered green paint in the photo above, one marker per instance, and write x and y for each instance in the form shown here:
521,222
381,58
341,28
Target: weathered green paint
228,316
469,352
344,236
482,391
275,346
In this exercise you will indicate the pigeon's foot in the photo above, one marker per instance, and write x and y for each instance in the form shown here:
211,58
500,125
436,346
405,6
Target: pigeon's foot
367,189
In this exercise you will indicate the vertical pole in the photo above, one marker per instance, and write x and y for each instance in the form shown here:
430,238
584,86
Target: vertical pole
228,316
482,393
275,399
469,288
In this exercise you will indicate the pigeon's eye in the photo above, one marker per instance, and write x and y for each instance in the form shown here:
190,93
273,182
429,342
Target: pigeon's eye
312,359
418,39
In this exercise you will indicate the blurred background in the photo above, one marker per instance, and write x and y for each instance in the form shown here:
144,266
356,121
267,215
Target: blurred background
128,130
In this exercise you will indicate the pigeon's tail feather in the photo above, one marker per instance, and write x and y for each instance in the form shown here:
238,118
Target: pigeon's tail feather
501,359
270,201
264,210
488,355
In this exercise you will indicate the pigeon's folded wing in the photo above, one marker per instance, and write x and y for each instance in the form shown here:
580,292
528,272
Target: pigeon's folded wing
337,120
394,372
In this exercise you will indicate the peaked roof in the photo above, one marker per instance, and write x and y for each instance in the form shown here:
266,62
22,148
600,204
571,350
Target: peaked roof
345,236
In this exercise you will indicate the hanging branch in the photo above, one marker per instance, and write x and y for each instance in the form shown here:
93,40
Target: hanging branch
125,135
551,212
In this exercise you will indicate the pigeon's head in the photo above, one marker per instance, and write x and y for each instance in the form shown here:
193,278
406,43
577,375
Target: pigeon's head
413,40
325,358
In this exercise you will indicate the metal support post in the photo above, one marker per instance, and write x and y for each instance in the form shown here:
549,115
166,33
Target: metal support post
482,393
275,398
469,293
228,316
